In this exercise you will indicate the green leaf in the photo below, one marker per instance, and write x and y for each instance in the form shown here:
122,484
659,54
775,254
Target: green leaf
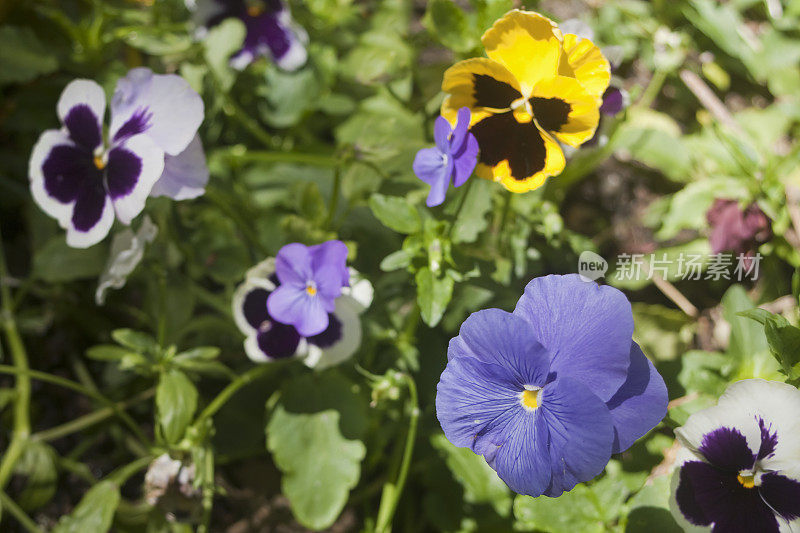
107,352
203,353
319,465
447,23
56,262
95,511
572,511
157,42
22,56
761,315
221,42
433,295
649,509
38,466
395,213
472,218
784,343
747,337
176,401
135,340
396,260
481,483
705,372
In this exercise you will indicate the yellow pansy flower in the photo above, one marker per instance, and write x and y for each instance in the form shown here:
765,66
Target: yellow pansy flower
536,86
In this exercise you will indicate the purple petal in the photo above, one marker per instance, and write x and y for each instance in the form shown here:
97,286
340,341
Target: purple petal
64,178
438,190
613,101
294,306
581,433
460,131
429,165
475,402
172,109
293,265
441,134
185,175
586,327
640,404
498,337
782,494
726,448
84,127
706,495
331,335
92,216
65,171
271,33
465,161
329,263
522,461
132,170
254,307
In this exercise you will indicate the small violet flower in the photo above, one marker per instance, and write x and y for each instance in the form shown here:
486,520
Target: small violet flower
547,393
452,160
736,230
270,340
270,30
152,150
311,278
739,469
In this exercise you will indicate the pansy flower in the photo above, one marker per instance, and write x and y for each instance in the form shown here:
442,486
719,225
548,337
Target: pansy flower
85,182
537,87
451,161
311,278
547,393
269,340
740,466
737,230
270,30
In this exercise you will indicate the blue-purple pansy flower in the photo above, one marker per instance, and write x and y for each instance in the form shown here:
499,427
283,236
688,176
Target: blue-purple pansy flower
547,393
86,182
269,340
270,30
452,160
739,468
311,278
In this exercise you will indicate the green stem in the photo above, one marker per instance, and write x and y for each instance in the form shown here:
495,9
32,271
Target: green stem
461,205
91,419
121,475
393,491
653,88
22,399
68,384
260,156
337,186
24,520
232,388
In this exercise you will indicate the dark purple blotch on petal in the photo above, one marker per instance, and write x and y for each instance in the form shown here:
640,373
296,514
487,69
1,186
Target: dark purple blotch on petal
330,336
254,307
89,204
706,495
138,123
122,172
65,170
84,126
769,440
278,341
782,494
726,448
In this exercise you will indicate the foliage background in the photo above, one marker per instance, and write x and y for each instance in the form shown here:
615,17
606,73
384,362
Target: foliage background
325,153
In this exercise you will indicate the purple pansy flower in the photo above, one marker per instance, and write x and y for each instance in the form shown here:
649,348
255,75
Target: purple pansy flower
269,340
311,278
736,230
740,468
547,393
85,183
270,30
452,160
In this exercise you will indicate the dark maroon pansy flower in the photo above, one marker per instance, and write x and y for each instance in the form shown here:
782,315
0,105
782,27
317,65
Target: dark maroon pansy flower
737,230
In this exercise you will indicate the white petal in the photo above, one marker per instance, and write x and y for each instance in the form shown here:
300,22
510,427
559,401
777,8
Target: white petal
185,175
85,239
704,422
82,92
127,250
176,110
152,160
237,303
263,270
347,311
48,204
360,290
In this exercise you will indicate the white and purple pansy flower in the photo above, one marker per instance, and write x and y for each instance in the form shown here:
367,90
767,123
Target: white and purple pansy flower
739,470
270,340
547,393
270,30
85,181
452,160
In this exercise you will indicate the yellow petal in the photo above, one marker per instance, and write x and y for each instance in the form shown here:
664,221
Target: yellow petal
527,44
479,84
564,108
589,65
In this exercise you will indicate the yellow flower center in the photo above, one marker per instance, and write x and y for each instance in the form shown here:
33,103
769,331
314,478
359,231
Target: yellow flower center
311,289
530,398
748,481
99,163
255,10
